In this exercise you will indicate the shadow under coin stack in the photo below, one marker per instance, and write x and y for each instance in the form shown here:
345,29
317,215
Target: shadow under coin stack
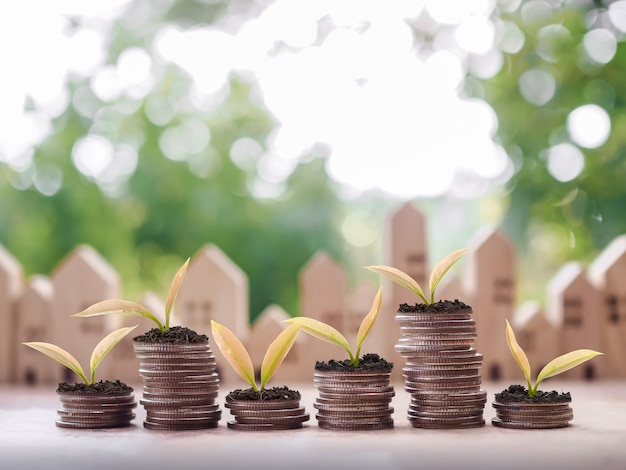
266,415
354,400
95,410
180,385
442,370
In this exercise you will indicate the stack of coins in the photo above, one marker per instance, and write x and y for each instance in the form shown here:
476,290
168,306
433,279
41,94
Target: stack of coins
442,369
354,400
95,410
180,385
266,415
523,415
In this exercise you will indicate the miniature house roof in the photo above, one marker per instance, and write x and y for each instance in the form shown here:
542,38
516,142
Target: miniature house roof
564,278
525,313
85,261
613,254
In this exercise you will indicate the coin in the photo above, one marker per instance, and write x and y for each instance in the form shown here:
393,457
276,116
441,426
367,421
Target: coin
262,427
348,426
261,404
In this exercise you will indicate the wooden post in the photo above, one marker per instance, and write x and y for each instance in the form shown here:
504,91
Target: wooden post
34,323
406,250
537,337
81,280
574,309
323,288
608,275
269,324
215,288
11,287
491,287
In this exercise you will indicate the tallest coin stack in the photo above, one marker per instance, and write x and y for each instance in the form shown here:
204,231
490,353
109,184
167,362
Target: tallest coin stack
442,369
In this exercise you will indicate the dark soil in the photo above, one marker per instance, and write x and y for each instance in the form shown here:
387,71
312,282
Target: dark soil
274,393
518,393
106,387
175,335
367,362
443,306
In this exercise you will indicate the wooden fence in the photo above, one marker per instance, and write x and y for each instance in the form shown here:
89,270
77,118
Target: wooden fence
585,308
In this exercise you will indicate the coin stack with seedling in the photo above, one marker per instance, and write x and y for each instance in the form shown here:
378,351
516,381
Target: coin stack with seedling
270,414
180,385
442,370
354,400
96,410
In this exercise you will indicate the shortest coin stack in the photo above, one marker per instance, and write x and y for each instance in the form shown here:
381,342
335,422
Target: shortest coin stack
265,415
180,386
95,410
523,415
354,400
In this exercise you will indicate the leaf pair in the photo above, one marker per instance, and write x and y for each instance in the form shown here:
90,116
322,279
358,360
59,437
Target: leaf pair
237,356
331,335
556,366
100,351
411,284
124,307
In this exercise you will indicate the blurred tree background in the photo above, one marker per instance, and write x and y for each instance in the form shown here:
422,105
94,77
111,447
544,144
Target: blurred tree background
148,178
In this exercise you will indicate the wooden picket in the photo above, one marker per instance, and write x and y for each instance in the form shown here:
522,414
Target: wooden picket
11,287
584,308
608,274
405,249
574,309
490,285
81,280
214,289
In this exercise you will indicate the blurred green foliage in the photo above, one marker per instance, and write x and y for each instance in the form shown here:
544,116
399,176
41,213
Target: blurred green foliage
169,209
550,221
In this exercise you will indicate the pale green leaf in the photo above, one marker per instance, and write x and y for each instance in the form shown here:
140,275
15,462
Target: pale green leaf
368,321
566,362
104,347
276,352
61,356
400,278
441,269
174,288
119,307
234,352
518,354
322,331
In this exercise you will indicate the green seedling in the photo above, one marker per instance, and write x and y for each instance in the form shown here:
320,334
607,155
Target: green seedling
554,367
100,351
124,307
329,334
411,284
237,356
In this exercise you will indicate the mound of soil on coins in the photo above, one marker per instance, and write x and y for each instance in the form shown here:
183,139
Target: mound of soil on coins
367,362
175,335
443,306
518,393
274,393
104,386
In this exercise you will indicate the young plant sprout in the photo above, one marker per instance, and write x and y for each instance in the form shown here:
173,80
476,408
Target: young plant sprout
100,351
237,356
124,307
554,367
411,284
329,334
